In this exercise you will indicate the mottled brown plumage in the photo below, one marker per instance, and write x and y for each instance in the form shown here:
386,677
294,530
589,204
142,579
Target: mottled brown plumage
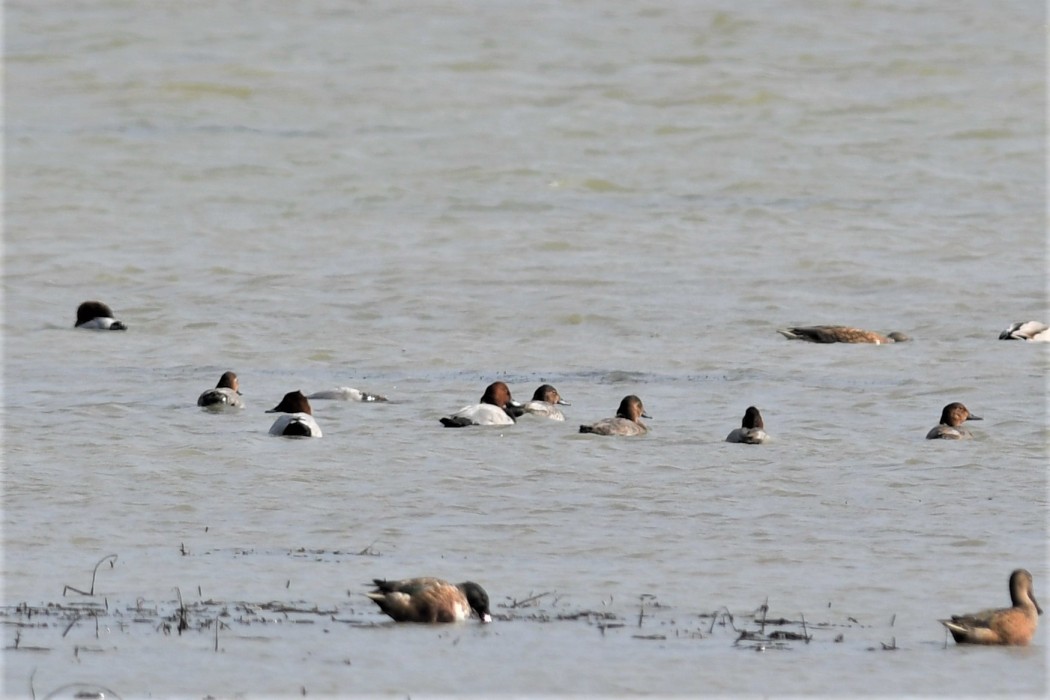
1014,625
840,334
430,600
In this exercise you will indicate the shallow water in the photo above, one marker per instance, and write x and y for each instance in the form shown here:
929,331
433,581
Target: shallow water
417,200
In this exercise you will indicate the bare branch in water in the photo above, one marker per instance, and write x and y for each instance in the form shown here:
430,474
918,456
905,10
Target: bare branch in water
641,607
515,603
76,618
183,621
369,551
109,557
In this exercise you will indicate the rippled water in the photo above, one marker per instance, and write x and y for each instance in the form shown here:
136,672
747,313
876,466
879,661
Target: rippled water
420,198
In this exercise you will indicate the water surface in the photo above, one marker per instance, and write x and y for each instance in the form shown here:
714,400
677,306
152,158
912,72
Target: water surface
421,198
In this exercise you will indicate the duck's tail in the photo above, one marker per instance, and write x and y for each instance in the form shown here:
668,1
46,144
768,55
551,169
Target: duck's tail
456,422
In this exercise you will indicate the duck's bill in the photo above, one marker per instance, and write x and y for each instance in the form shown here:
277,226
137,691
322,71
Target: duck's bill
488,618
973,417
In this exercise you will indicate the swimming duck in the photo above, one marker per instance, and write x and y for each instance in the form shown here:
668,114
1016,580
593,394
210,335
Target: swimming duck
97,316
1027,330
346,393
952,416
297,419
496,408
225,394
840,334
545,403
1014,625
430,600
626,421
751,430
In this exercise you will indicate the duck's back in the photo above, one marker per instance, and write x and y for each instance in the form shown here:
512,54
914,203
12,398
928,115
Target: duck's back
544,410
220,397
479,414
748,436
615,426
295,425
947,432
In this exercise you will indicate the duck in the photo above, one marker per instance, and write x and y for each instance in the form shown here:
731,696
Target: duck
1015,625
226,394
1033,331
751,430
952,416
346,393
94,315
430,600
297,419
545,402
840,334
625,422
497,407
